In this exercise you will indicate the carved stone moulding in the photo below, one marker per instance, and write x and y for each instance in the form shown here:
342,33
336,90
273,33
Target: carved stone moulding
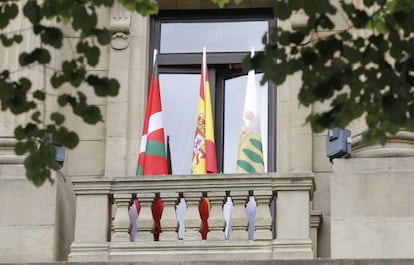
119,41
7,155
119,24
398,145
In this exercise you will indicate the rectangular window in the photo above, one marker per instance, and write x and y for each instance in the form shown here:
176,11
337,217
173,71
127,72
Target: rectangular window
190,37
228,39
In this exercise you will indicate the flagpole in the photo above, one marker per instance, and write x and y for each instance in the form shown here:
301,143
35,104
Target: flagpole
204,66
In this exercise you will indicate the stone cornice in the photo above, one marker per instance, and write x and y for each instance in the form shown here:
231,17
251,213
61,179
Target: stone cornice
399,145
260,183
91,185
7,155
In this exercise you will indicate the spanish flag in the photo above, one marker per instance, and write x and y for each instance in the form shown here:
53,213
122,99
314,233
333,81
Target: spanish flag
204,148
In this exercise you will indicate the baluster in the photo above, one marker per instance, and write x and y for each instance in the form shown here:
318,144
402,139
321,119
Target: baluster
228,215
251,208
121,221
134,211
239,222
192,222
263,215
169,221
157,210
216,221
204,211
180,211
145,222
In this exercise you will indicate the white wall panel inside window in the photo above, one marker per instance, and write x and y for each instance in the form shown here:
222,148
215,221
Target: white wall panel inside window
179,96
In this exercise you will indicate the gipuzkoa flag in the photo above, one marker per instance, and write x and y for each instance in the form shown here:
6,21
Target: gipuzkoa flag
152,159
250,157
204,148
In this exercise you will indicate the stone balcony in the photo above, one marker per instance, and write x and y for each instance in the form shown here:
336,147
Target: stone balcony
252,217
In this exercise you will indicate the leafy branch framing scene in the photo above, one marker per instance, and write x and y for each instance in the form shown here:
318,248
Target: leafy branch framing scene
363,70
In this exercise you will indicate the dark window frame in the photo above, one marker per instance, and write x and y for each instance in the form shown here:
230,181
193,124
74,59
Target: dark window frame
190,63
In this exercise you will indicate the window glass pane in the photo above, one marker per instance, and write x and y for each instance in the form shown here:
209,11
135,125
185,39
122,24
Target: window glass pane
179,95
235,90
215,36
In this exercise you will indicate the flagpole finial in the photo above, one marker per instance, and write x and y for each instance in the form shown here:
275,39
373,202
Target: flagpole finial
155,56
204,66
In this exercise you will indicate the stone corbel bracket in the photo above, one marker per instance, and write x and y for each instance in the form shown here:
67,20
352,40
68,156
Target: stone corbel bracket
119,25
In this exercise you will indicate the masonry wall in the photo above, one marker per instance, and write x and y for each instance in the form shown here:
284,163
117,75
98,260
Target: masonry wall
110,149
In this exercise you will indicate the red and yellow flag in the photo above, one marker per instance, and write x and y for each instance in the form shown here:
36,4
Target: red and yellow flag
152,158
204,148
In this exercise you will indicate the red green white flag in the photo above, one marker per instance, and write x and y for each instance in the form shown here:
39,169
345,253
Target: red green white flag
152,158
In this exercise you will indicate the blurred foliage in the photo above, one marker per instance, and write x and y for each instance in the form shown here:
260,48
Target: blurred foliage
364,69
368,75
37,138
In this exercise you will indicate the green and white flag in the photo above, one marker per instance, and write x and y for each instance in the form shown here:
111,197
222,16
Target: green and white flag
250,156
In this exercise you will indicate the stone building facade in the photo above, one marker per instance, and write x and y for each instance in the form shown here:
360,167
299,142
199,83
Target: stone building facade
354,208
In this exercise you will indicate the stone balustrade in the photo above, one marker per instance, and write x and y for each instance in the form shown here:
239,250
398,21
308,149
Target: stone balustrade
263,216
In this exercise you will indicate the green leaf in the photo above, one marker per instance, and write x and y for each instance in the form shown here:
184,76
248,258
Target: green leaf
7,42
40,95
84,19
73,72
325,22
72,140
32,11
103,86
52,36
91,53
35,117
57,118
296,37
11,10
17,38
104,36
309,56
92,114
369,3
282,10
19,133
40,55
64,99
66,138
146,7
57,80
20,148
